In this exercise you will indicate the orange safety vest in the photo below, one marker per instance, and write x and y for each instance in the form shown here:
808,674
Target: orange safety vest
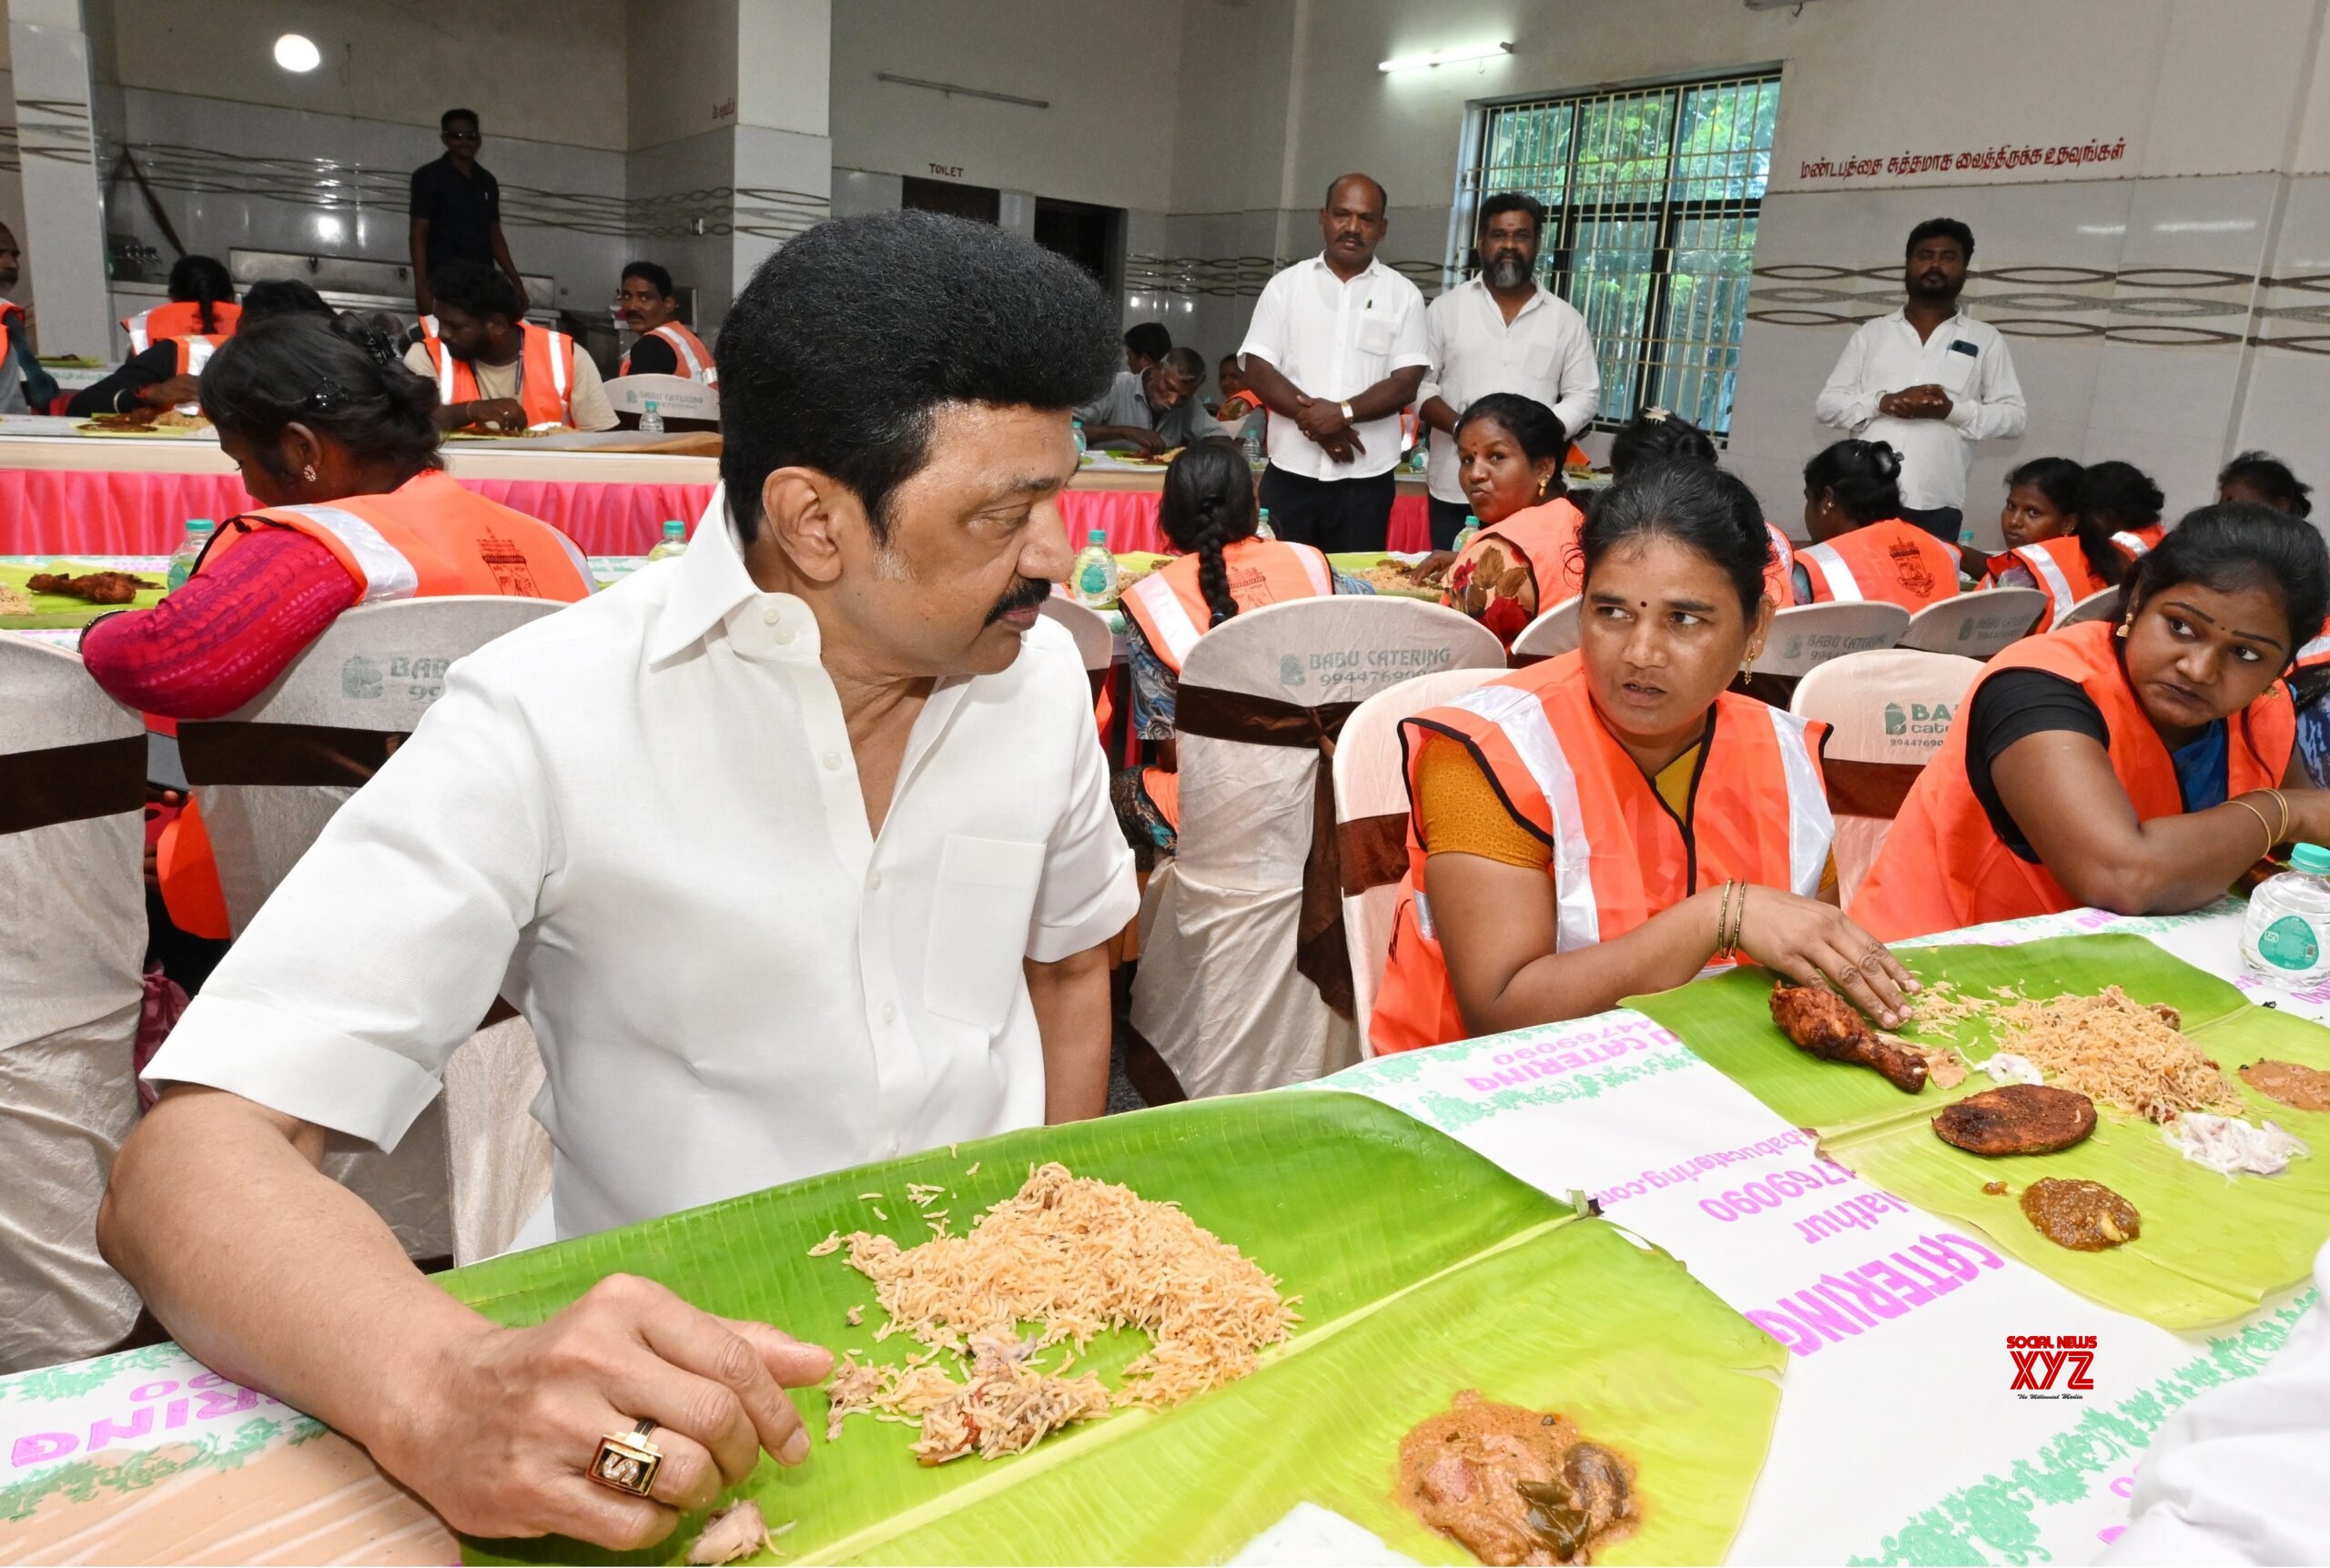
1759,813
2059,566
179,319
1172,613
545,375
1544,536
695,359
427,537
1943,866
1890,562
2135,543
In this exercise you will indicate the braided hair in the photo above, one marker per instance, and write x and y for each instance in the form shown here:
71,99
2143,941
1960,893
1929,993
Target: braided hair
202,281
1208,506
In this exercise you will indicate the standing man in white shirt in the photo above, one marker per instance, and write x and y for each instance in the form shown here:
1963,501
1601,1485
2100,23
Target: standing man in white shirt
1501,332
1336,349
1929,381
797,853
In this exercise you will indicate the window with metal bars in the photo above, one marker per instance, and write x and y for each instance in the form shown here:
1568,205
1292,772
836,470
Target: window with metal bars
1652,195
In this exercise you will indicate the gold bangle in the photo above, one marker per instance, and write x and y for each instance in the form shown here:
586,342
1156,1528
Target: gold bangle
2284,802
1722,919
2267,826
1738,919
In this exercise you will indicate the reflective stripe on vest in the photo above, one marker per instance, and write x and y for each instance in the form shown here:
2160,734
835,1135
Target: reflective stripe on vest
2049,577
1176,632
2314,653
1811,827
387,573
1828,571
2135,544
193,353
1520,717
537,344
135,327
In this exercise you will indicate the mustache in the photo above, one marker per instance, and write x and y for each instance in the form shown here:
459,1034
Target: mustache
1028,593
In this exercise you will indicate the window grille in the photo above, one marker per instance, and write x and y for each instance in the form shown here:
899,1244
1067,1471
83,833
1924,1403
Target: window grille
1652,195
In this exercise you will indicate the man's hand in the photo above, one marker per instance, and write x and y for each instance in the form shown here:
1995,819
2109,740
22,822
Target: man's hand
505,414
1927,402
1140,438
500,1424
171,392
1322,420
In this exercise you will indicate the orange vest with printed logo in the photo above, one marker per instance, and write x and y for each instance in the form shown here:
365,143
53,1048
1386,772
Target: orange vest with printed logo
1170,609
1759,813
2060,569
1943,866
426,538
545,375
694,358
1892,563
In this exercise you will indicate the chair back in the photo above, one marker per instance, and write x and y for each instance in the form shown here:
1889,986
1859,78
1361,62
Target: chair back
272,773
2100,605
1554,632
676,397
72,835
1372,822
1094,640
1807,636
1887,713
1246,807
1975,624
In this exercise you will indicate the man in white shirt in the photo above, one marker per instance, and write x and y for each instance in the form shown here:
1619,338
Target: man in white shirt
1501,332
1929,381
1336,349
796,852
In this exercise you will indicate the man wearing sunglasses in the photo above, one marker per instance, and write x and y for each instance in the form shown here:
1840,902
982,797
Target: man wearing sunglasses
457,212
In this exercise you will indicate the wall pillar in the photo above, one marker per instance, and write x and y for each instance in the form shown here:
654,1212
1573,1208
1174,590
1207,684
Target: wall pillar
63,237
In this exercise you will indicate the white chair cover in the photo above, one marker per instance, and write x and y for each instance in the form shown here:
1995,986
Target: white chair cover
2100,605
1218,994
1807,636
1372,788
1094,640
676,397
1553,632
1976,625
72,944
1887,711
377,669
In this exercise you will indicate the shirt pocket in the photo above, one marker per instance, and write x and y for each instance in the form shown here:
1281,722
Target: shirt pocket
1957,371
1375,333
1537,366
979,911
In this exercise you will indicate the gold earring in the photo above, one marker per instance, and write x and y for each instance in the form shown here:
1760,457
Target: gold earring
1540,487
308,474
2123,632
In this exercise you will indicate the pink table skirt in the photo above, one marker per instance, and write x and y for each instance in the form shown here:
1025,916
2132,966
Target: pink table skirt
56,512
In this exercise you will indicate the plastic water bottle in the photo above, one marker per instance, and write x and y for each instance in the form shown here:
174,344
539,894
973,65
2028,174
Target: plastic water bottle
1094,578
650,423
1250,442
189,550
1262,525
674,543
2287,939
1076,429
1421,456
1464,534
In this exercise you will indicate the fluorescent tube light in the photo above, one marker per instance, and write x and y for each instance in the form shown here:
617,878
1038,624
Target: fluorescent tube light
1445,57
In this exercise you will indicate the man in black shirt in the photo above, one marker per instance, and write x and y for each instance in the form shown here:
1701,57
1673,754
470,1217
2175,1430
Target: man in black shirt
457,211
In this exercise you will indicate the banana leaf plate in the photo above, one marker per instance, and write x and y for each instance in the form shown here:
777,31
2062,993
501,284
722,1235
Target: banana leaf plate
2213,1247
1422,1269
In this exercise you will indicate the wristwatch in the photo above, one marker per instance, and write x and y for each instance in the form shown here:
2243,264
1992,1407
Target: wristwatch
1348,415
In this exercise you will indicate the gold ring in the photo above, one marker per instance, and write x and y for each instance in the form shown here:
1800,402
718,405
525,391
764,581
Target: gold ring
626,1461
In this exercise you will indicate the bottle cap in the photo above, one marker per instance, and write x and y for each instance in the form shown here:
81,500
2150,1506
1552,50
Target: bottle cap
200,525
1266,514
674,527
2311,857
1097,536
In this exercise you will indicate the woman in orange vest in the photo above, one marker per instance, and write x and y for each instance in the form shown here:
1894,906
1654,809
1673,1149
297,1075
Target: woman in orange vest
1208,514
1607,822
1509,451
666,345
2123,504
2051,545
334,438
202,305
2136,764
1861,550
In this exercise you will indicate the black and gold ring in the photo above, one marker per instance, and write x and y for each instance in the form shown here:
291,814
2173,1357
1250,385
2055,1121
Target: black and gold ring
626,1461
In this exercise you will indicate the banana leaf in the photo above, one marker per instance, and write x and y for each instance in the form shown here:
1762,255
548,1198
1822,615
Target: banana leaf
2213,1248
1422,1269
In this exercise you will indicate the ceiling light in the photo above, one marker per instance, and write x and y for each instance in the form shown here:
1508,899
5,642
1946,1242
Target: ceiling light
296,53
1445,57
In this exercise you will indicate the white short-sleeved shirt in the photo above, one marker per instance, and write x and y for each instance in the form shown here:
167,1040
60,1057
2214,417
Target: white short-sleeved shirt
1545,352
1335,339
1967,359
639,820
